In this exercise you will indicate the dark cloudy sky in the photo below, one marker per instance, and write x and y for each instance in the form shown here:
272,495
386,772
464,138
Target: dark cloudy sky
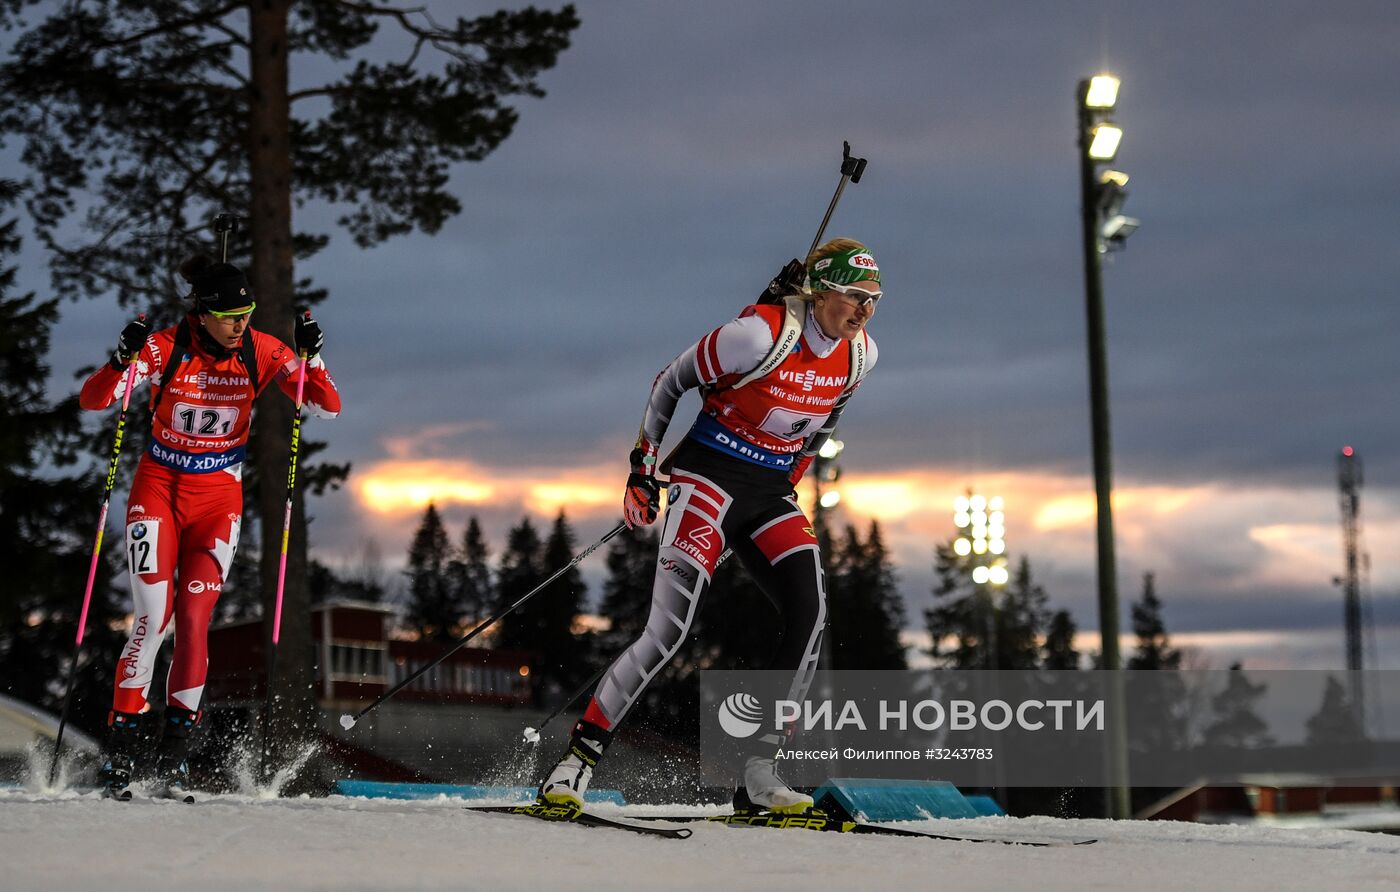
685,151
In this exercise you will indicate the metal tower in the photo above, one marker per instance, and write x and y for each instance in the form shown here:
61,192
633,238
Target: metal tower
1349,484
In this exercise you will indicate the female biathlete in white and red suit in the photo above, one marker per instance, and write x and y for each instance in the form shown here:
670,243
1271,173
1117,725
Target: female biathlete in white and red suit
772,396
186,502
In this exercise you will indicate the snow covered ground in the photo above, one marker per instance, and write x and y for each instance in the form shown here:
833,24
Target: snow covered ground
240,842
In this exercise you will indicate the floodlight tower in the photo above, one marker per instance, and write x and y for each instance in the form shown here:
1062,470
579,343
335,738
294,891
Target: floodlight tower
981,523
1104,229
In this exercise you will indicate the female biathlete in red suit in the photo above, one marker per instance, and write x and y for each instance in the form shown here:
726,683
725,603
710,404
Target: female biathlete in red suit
732,486
186,502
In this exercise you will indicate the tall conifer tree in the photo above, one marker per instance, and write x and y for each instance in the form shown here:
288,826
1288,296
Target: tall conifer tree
474,589
865,609
432,609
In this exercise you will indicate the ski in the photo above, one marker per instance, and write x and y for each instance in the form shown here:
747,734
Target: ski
126,795
825,823
565,815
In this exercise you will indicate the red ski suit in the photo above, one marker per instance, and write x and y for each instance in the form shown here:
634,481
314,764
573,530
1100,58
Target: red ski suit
186,503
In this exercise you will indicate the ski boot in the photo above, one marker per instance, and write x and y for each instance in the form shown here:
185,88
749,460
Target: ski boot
561,795
172,754
119,755
762,791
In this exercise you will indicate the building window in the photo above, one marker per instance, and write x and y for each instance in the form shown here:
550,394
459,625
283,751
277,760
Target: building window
361,661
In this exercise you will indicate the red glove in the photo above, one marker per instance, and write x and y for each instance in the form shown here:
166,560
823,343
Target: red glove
642,500
799,467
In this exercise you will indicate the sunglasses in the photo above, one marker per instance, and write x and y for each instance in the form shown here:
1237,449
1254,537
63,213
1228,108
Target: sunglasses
863,298
235,315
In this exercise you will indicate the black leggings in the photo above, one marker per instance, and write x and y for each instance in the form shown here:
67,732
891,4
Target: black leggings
717,502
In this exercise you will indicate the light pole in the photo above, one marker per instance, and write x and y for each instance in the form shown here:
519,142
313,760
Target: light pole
1104,229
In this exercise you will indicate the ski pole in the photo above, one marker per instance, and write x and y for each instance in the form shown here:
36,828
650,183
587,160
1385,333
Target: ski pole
282,563
790,278
851,169
223,225
127,384
532,735
347,721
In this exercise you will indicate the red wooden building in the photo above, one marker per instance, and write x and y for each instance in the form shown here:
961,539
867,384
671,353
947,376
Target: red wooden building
356,660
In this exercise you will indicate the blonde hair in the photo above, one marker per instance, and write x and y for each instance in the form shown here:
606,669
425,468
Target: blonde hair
835,246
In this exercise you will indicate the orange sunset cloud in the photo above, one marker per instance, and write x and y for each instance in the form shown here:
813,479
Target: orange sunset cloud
403,487
1272,536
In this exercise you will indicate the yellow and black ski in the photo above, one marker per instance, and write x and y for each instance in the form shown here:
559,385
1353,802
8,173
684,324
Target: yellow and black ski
569,815
816,819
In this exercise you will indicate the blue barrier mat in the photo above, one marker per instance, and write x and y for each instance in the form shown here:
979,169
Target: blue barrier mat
383,790
878,799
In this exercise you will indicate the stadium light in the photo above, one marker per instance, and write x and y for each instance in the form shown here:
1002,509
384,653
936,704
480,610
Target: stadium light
981,523
1104,141
1103,228
824,473
1102,92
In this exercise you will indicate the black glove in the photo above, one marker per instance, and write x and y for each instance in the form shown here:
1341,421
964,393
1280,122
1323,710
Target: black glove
308,336
130,342
642,500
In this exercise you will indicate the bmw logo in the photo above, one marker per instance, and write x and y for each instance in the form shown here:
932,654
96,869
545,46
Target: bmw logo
138,531
675,494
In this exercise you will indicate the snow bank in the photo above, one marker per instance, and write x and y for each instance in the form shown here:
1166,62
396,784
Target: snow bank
236,842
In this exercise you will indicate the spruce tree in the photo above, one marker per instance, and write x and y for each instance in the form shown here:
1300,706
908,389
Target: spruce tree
432,610
1159,706
865,609
1336,720
1060,652
1154,650
1235,722
980,625
521,569
1021,618
470,570
554,610
961,622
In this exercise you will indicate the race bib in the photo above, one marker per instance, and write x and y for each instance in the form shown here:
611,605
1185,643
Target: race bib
142,544
789,425
206,422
